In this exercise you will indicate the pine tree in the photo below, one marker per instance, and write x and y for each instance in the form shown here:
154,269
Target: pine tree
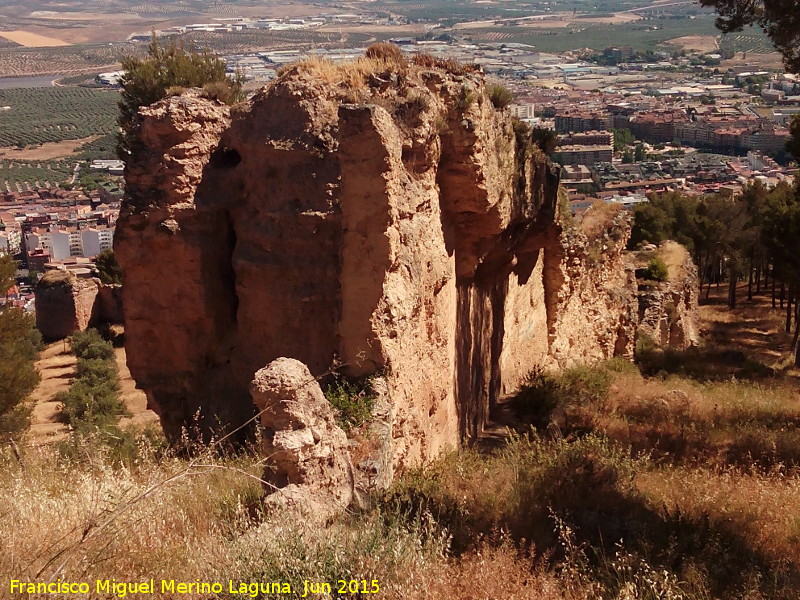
19,344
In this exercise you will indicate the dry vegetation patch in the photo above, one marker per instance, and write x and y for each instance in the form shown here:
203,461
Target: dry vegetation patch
764,507
32,40
599,218
47,151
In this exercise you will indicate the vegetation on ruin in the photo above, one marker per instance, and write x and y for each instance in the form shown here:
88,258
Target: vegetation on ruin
656,270
499,95
170,67
352,399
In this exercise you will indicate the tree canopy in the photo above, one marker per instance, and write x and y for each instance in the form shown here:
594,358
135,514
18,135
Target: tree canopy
107,266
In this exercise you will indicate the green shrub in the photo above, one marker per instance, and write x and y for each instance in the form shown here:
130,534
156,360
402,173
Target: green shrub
88,406
107,266
466,98
93,399
500,96
544,392
619,364
353,401
97,372
169,65
90,344
656,270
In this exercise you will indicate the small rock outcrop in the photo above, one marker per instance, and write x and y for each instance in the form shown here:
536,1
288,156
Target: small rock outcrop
668,310
66,303
307,462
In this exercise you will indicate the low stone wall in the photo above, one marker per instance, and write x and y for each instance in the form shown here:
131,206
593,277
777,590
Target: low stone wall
668,310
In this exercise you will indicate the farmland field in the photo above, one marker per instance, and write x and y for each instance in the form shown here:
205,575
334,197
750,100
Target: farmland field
55,114
258,39
750,40
642,35
68,60
461,10
24,175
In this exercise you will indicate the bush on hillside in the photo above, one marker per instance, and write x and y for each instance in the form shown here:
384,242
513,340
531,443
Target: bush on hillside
107,266
500,95
93,400
89,344
168,66
656,270
545,392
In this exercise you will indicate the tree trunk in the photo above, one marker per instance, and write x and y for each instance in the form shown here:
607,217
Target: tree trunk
789,309
758,278
731,285
773,290
750,275
797,356
783,292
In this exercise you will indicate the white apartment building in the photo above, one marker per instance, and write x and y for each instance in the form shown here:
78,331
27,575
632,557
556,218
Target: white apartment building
95,240
63,243
522,111
10,240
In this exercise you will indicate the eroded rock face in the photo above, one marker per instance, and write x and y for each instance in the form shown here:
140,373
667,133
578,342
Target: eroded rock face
593,293
307,463
383,217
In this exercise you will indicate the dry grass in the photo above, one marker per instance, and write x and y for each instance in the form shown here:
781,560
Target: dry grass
764,508
55,277
135,524
349,75
598,218
86,521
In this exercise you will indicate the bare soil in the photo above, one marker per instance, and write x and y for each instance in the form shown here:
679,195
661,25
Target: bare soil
46,151
32,40
701,43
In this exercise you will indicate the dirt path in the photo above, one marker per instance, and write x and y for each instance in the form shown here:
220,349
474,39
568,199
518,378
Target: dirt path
57,367
753,328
